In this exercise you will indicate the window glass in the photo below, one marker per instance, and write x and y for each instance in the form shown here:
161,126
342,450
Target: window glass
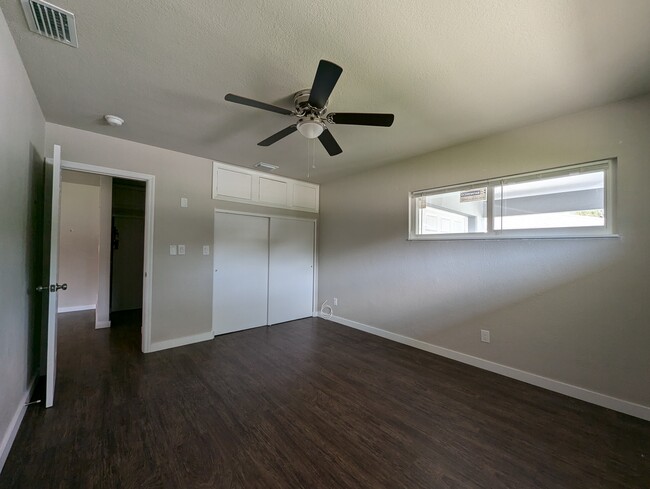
566,201
459,211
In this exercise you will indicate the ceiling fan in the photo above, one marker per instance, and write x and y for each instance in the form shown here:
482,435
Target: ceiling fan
311,111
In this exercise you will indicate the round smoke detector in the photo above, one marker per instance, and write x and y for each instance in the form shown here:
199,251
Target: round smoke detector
114,120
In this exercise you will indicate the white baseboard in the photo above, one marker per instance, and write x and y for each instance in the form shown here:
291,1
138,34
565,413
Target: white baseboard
570,390
87,307
102,324
186,340
12,429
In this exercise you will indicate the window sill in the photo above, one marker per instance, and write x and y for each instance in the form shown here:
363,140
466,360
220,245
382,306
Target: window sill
448,237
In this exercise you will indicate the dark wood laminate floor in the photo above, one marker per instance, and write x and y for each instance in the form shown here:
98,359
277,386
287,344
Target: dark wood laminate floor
307,404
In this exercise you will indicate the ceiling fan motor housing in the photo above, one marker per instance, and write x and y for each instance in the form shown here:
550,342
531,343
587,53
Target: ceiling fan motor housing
311,123
301,102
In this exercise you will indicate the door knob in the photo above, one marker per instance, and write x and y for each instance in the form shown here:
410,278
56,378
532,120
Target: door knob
51,288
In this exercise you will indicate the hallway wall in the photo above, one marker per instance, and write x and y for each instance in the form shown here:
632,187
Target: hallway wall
79,245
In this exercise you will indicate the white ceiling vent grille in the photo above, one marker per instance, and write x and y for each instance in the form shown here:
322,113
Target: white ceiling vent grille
266,166
50,21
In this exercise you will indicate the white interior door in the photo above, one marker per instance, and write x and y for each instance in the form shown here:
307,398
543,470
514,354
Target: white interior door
291,269
51,267
241,272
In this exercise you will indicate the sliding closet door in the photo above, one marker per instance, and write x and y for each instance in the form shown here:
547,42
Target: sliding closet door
291,269
241,266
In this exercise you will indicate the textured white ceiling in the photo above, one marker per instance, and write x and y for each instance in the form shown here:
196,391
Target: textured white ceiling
450,70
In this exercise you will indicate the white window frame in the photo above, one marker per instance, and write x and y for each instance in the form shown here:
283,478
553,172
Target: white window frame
608,230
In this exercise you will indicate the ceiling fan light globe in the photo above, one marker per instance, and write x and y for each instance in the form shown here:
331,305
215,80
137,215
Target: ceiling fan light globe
310,129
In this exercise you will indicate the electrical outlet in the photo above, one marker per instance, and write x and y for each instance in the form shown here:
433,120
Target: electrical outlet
181,249
173,250
485,336
183,201
206,250
336,301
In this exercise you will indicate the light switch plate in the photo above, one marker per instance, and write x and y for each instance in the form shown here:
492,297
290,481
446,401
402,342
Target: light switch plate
206,250
181,249
173,250
183,201
485,336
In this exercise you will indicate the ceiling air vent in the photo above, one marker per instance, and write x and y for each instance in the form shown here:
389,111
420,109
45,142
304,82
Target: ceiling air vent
50,21
266,166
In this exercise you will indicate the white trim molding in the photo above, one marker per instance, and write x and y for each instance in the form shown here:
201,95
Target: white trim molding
186,340
620,405
12,430
102,324
88,307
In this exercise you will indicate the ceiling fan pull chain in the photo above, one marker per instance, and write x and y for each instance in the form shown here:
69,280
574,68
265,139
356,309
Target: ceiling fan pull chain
311,156
309,141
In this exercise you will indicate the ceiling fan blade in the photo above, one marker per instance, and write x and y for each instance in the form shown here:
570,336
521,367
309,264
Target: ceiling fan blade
278,135
359,119
330,144
231,97
325,80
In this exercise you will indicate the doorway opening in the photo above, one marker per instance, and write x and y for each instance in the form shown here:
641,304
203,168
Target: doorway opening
124,250
101,250
127,252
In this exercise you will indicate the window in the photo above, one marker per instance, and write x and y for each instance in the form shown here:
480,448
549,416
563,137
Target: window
563,202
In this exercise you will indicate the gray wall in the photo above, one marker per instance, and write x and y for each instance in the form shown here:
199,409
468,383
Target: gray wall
22,133
79,244
571,310
182,285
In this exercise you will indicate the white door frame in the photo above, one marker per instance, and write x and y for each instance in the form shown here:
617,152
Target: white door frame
147,282
280,216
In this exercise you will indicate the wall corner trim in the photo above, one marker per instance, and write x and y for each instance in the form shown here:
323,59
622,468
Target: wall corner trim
620,405
12,430
185,340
